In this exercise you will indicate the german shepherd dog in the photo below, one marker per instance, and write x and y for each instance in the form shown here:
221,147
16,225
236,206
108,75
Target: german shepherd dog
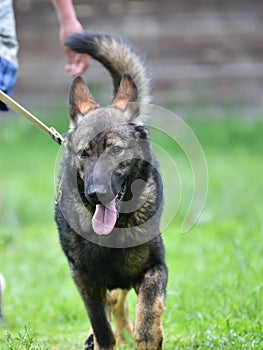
109,200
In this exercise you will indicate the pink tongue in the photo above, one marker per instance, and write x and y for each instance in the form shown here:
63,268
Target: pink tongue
104,218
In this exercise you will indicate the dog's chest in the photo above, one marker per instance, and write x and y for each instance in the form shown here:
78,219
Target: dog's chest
117,268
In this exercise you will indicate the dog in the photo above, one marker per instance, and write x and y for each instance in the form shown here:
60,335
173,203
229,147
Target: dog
109,200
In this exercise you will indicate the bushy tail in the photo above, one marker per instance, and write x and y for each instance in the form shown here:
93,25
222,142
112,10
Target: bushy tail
117,56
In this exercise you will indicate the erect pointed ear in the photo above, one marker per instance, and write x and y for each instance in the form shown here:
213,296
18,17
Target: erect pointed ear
80,99
126,93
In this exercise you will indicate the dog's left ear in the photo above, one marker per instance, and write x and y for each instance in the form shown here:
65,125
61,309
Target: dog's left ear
80,99
126,94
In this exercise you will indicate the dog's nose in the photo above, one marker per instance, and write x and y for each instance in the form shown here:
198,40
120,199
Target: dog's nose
93,197
98,195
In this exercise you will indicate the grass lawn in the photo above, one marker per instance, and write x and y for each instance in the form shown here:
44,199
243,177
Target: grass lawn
215,290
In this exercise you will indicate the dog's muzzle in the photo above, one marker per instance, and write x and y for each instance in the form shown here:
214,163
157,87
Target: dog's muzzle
98,194
107,205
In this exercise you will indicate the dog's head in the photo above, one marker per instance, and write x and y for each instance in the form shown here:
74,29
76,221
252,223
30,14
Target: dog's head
108,146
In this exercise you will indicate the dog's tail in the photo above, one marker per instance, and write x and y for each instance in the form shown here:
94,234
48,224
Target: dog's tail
117,56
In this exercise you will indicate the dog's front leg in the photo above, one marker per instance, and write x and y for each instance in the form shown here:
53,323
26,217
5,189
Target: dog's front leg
148,333
94,298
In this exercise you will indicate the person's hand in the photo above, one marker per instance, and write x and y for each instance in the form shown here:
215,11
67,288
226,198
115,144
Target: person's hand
76,63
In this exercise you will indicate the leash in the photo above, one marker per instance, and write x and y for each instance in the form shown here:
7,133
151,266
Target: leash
53,133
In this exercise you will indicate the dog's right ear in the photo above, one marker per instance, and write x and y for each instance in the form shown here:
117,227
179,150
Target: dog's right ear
81,101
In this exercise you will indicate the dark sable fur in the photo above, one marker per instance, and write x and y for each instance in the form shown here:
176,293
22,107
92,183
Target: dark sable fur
95,266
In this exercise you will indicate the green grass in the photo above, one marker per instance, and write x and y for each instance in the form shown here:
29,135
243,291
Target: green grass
215,290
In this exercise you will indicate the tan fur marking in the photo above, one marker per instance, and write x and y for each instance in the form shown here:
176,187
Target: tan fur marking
117,304
80,99
127,92
151,337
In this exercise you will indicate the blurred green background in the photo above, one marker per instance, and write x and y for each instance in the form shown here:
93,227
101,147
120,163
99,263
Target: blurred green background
206,61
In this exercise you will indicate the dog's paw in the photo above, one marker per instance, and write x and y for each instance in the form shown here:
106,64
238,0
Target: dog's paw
89,343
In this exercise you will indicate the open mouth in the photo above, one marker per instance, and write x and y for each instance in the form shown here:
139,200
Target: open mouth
105,216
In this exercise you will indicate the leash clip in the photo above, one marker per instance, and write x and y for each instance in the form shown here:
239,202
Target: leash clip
56,136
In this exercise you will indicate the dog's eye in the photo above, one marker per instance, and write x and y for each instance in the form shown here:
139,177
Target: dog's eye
115,150
84,154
